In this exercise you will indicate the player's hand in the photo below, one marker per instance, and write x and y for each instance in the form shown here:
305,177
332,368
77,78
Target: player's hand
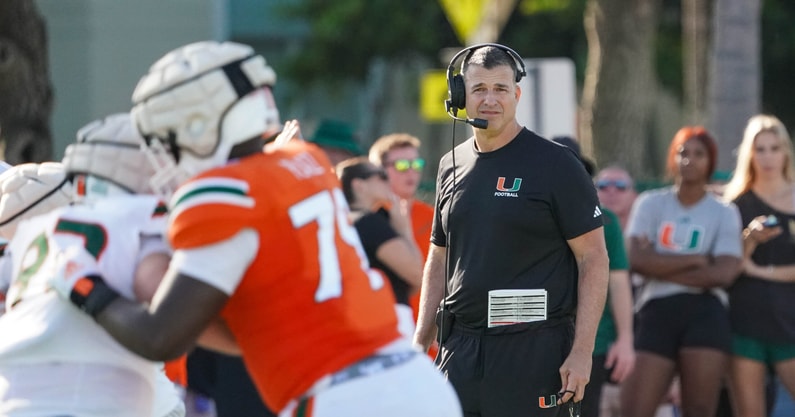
76,278
291,131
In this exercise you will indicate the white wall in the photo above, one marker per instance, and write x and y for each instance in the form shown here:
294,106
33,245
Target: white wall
98,49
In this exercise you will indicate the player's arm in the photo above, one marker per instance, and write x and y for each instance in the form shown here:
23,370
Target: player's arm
149,274
191,296
591,255
218,337
430,296
181,310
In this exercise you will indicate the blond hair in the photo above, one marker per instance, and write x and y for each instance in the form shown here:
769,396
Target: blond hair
744,174
387,143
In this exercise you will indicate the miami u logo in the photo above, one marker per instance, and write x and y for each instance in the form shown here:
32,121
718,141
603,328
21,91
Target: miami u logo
517,183
548,402
680,240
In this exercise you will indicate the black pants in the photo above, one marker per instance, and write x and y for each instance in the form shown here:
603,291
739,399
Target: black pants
507,371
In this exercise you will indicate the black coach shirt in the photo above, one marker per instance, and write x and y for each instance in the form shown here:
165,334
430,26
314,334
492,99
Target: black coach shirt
509,218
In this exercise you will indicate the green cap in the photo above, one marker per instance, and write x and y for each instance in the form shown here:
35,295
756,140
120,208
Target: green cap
336,134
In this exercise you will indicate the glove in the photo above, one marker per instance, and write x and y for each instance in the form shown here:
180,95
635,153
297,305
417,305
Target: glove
76,278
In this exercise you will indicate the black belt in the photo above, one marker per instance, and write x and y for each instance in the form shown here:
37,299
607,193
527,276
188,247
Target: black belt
513,328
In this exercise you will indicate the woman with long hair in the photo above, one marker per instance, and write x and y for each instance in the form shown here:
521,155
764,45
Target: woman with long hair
685,243
761,301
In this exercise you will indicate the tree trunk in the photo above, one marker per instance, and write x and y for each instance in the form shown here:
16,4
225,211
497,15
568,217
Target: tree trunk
695,40
620,84
25,89
735,80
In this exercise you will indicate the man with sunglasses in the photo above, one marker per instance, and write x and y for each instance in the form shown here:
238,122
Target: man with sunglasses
399,155
616,191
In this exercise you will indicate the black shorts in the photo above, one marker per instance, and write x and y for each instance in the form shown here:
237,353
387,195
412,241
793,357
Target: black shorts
507,371
665,325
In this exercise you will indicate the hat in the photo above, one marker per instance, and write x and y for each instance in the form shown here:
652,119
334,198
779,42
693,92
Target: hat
572,144
336,134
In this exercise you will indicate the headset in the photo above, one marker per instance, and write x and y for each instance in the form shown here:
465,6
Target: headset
456,92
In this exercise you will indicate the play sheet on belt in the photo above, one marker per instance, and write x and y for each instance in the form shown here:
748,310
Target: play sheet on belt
516,306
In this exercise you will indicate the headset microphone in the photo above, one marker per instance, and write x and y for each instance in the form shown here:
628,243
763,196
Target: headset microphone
476,123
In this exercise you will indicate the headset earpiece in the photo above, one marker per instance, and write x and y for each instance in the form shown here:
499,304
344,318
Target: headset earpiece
456,91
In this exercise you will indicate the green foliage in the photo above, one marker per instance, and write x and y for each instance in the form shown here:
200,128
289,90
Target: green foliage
346,35
668,51
778,60
545,32
528,7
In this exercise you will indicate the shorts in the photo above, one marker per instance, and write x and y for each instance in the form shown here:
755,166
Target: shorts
767,353
666,325
509,370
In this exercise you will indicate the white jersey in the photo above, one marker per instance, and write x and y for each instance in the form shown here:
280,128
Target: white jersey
41,330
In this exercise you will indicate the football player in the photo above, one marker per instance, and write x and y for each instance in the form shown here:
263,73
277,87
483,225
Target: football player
53,359
262,240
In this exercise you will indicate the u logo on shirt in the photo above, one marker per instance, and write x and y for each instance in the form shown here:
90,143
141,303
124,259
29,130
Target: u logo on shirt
676,240
517,183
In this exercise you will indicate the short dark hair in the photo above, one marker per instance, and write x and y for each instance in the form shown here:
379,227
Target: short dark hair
489,57
350,169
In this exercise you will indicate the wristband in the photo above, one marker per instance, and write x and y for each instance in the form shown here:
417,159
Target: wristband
91,294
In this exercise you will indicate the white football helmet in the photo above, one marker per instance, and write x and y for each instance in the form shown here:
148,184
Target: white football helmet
199,101
108,159
27,190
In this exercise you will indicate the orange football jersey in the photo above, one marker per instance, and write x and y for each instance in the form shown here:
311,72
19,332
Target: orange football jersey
309,304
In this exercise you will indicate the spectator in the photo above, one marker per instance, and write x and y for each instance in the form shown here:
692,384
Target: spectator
762,317
616,190
383,224
685,243
516,220
399,155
